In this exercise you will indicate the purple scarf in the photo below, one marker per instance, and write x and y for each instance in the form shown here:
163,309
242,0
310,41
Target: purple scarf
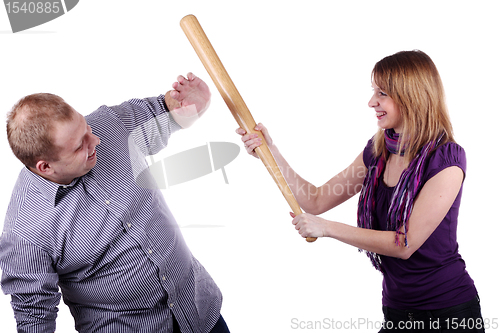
392,142
402,199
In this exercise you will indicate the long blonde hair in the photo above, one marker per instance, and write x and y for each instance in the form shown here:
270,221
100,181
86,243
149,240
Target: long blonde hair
412,80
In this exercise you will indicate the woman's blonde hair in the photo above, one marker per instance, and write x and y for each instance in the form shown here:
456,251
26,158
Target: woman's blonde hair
412,80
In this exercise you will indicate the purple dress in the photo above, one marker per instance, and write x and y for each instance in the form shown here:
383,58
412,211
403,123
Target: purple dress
434,277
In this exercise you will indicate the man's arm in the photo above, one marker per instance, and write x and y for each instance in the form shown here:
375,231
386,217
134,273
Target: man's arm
148,120
29,277
150,125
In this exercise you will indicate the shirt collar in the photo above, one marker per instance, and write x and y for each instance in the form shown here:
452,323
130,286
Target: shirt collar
47,188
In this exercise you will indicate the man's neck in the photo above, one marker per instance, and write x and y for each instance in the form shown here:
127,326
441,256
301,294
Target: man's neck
49,177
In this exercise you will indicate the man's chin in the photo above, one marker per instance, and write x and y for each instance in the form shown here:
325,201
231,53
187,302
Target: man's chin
90,165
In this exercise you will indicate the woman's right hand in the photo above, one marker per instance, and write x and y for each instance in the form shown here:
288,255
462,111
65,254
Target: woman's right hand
252,140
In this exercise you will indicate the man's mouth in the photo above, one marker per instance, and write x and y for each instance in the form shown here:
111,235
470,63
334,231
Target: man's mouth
91,156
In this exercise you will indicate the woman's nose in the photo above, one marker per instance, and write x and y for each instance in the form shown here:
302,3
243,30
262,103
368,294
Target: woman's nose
373,102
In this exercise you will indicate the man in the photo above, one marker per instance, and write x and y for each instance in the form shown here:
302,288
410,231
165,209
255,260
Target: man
80,221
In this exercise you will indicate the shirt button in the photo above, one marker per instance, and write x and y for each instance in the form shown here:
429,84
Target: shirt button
107,202
163,278
129,225
171,305
150,251
64,186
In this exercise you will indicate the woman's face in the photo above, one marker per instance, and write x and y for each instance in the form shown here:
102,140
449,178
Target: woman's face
386,110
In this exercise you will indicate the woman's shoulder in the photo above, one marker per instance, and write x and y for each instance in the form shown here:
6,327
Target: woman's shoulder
446,155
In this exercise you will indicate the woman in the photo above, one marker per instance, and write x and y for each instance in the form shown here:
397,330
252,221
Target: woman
410,178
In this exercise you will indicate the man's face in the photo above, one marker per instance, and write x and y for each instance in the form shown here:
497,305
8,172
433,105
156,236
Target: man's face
76,148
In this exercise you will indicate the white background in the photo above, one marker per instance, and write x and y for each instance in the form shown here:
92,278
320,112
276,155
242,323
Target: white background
303,68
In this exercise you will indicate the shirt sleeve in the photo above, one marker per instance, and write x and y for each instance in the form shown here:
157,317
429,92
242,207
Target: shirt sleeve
29,277
148,122
368,154
448,155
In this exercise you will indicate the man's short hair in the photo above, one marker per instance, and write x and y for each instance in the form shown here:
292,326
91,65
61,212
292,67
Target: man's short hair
30,124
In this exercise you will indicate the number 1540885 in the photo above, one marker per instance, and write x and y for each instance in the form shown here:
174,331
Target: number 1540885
32,7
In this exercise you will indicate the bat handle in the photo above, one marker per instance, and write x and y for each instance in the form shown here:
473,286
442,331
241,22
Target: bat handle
297,211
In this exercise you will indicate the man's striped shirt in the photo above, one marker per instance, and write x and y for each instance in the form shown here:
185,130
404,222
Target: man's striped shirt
111,246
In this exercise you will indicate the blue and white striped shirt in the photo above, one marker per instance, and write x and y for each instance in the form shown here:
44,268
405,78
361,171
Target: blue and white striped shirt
111,246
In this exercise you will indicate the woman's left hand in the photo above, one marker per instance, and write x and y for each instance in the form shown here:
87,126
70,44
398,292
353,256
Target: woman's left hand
309,225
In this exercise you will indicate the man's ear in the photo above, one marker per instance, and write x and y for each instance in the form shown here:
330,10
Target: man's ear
44,168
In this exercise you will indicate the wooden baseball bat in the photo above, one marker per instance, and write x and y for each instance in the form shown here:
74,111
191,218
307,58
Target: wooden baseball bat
235,103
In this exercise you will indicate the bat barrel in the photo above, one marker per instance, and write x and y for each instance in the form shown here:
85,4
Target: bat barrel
217,72
235,102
